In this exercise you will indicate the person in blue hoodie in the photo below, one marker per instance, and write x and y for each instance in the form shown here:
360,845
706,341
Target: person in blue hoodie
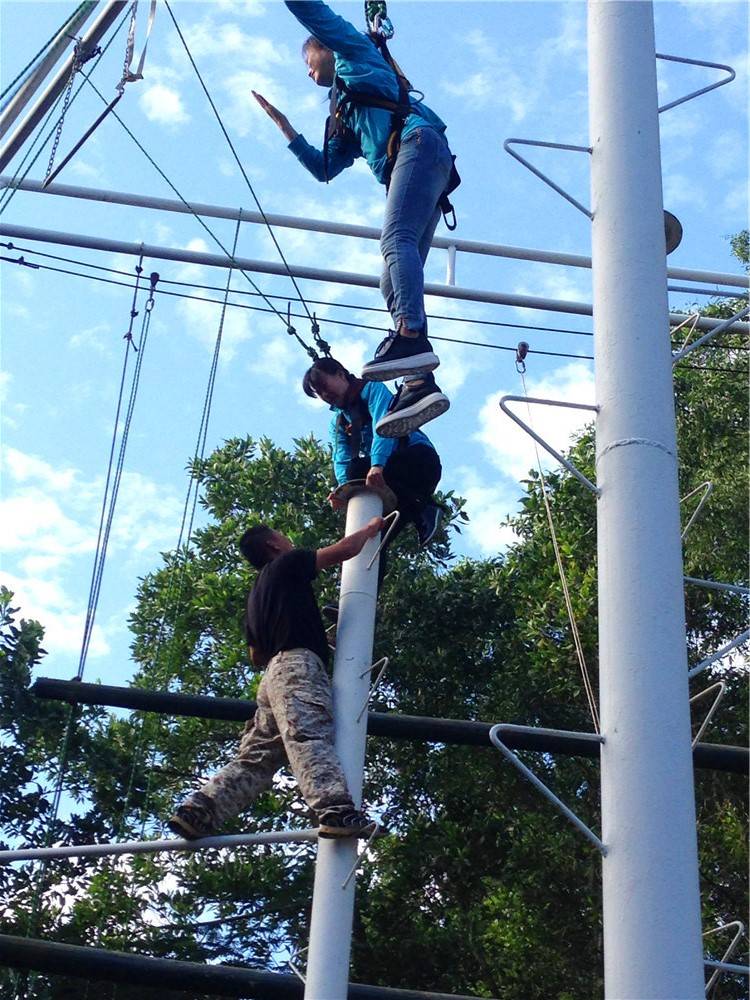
407,151
409,465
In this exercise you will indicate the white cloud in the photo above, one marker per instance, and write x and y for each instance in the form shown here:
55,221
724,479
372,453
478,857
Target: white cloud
508,447
277,359
92,337
50,515
5,380
487,506
163,105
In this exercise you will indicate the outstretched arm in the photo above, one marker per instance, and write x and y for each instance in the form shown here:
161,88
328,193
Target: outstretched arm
347,547
342,152
333,31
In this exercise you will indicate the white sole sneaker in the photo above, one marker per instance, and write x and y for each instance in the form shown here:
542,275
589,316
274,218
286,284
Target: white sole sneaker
384,371
403,422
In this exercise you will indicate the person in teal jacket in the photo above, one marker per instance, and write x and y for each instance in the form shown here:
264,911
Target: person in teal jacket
409,465
416,174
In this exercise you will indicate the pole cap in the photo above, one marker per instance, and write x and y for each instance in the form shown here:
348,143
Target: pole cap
347,490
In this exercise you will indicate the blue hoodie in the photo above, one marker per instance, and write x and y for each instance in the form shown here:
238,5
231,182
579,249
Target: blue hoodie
377,399
362,68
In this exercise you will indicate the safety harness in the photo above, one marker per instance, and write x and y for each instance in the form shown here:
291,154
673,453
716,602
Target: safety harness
343,98
360,456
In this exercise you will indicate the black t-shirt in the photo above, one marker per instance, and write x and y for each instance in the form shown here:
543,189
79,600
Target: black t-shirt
282,612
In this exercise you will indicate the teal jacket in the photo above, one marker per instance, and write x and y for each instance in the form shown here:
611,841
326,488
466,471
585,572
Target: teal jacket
377,399
361,66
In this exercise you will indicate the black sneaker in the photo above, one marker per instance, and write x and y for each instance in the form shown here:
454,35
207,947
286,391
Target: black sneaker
418,400
195,819
397,356
352,823
428,524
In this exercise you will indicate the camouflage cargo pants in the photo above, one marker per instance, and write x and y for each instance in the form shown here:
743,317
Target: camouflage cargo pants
294,721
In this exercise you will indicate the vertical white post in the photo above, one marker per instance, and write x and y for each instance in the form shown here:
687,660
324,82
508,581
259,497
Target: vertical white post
450,270
333,906
652,933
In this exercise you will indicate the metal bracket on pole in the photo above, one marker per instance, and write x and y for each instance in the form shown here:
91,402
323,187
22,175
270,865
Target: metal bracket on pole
708,488
392,518
538,784
384,661
704,90
548,447
719,966
721,685
689,348
719,654
542,176
731,588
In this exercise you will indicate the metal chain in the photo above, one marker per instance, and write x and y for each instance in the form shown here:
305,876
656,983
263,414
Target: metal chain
77,63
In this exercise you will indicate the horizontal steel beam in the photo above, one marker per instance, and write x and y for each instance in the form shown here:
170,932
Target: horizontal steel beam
94,964
398,727
345,229
153,251
170,845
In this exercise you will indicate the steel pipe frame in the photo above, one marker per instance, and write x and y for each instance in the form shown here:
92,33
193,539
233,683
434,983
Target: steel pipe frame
27,90
45,102
456,732
150,250
80,962
346,229
158,846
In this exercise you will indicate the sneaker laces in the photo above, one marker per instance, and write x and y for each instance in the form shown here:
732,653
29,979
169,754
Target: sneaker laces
385,343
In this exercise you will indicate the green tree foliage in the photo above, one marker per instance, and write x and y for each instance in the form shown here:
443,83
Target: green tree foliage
483,888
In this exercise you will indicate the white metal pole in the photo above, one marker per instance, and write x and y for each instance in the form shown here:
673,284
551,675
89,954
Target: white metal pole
333,904
29,87
58,84
652,931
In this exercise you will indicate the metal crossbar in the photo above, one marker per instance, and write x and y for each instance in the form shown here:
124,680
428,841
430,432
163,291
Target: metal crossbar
708,488
727,954
159,846
704,90
542,176
539,785
721,685
719,654
689,348
539,440
731,588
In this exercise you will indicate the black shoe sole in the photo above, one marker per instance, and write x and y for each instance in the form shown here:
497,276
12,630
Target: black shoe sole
404,421
384,371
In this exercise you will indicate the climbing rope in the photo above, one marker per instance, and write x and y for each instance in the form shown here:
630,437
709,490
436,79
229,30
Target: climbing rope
109,503
239,162
521,354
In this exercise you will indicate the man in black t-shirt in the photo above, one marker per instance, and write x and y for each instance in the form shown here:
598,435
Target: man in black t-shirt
294,717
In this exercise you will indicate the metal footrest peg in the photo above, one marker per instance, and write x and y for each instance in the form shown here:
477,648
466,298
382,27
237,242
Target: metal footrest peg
495,738
384,661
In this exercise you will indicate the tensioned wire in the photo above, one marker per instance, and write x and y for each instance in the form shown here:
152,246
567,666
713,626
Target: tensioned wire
173,603
474,321
237,160
353,325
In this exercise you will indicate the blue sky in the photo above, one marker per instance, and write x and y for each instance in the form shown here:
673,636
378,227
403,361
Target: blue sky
491,70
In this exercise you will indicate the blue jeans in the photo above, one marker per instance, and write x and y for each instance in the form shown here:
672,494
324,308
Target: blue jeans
419,177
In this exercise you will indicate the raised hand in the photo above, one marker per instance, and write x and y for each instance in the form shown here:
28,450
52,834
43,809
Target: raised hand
279,119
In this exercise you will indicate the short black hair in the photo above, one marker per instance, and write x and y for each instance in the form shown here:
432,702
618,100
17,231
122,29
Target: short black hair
323,366
254,545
